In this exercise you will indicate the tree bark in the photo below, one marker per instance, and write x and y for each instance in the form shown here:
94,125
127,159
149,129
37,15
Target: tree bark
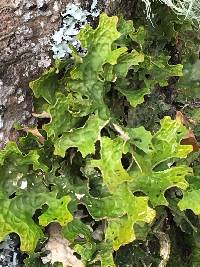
25,44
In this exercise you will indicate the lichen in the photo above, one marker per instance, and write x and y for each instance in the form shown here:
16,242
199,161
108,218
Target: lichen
190,9
1,122
74,18
9,254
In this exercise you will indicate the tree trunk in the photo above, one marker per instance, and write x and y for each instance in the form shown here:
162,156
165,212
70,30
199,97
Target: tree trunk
25,38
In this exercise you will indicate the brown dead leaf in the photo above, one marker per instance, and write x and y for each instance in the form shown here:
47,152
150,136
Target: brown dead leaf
182,118
190,138
35,132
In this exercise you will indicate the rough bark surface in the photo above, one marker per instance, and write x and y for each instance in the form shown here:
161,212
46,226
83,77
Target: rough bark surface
25,33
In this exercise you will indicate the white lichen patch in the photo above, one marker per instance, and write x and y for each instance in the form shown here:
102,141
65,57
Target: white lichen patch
1,136
188,8
56,6
9,255
41,3
5,92
74,18
1,122
20,99
45,61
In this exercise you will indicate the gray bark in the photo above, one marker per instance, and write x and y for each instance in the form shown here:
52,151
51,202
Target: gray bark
25,51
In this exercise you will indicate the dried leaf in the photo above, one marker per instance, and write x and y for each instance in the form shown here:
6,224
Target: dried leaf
43,115
190,138
36,133
60,250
